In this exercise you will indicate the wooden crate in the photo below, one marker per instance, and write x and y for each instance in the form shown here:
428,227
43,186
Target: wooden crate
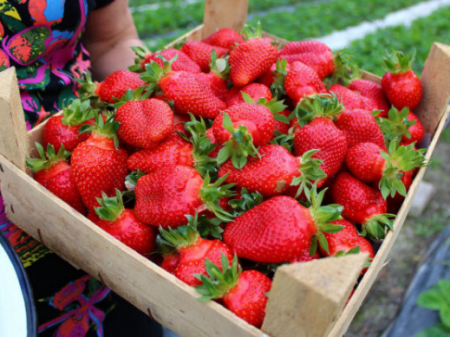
307,299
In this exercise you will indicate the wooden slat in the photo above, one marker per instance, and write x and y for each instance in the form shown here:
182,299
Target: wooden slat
13,130
193,35
306,298
281,42
436,87
147,286
224,14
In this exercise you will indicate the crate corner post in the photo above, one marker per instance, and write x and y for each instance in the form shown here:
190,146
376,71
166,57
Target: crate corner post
307,298
13,130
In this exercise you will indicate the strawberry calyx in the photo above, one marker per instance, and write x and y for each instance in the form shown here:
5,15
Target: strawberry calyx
141,53
211,193
209,227
132,178
88,88
323,216
48,158
399,159
354,251
287,141
279,75
375,226
247,201
321,105
110,207
219,66
397,125
140,94
398,62
78,112
170,240
102,128
345,71
249,32
154,72
309,172
220,280
274,105
239,147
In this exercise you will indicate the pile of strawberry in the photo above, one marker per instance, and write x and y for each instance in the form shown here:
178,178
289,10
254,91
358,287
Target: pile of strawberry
224,159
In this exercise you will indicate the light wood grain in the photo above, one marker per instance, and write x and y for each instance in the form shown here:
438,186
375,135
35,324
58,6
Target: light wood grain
435,80
224,14
13,130
193,35
307,298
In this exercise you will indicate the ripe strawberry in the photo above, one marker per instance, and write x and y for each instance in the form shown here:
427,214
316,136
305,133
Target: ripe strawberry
97,164
243,293
186,90
400,84
370,163
372,91
225,38
301,81
252,58
304,256
53,172
280,229
143,122
360,126
121,223
362,204
186,252
300,47
164,197
200,53
182,63
351,99
217,78
274,78
274,172
63,130
212,139
282,127
254,90
394,203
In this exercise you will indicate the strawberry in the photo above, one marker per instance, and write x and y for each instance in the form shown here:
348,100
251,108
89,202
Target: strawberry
280,229
369,163
182,63
143,122
121,223
350,99
63,130
274,78
186,252
243,293
395,202
97,164
225,38
301,81
314,129
372,91
274,172
53,172
217,78
400,84
200,53
252,58
254,90
164,197
300,47
304,256
360,126
362,204
186,90
280,126
212,139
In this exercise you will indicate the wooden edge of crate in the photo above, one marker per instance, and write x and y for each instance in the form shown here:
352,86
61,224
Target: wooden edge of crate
156,292
379,261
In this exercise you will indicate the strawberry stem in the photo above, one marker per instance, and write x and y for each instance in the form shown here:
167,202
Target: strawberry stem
211,193
246,202
375,226
309,172
398,62
250,32
106,128
110,207
321,105
171,240
397,125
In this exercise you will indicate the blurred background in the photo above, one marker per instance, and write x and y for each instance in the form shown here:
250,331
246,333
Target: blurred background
366,29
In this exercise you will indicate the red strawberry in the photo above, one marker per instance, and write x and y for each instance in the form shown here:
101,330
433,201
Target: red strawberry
275,76
416,130
53,172
400,84
217,78
273,173
254,90
370,163
280,229
394,203
252,58
372,91
225,38
187,91
185,247
300,47
97,164
305,256
281,126
121,223
360,126
301,81
362,204
164,197
351,99
212,139
143,122
182,63
243,293
200,53
63,130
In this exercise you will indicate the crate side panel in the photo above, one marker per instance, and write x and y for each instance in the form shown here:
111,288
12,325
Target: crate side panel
224,14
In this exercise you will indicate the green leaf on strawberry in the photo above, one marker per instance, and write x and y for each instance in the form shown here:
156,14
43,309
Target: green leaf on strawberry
47,158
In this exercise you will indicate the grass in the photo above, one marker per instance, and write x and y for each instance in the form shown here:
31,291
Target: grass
431,226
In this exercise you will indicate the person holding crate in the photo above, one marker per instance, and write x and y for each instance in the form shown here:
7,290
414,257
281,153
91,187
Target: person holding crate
51,44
